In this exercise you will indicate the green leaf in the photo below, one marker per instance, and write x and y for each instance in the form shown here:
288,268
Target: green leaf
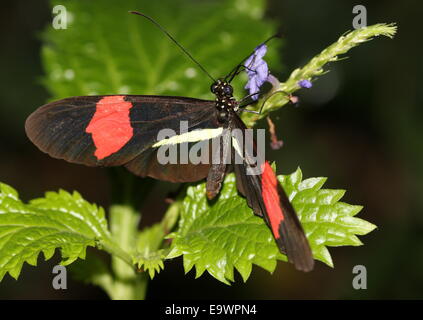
148,256
326,221
126,54
226,235
59,220
222,236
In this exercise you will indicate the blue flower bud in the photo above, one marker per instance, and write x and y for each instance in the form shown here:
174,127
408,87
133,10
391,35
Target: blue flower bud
305,84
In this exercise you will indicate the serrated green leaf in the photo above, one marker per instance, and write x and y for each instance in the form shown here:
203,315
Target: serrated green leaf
59,220
148,256
127,54
222,236
225,235
326,221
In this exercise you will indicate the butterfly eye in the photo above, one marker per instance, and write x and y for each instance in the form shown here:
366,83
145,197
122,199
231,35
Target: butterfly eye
228,90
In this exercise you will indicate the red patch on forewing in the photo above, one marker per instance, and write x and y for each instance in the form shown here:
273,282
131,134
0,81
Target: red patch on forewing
269,192
110,126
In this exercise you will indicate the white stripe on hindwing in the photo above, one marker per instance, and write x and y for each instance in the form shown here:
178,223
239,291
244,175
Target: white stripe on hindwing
191,136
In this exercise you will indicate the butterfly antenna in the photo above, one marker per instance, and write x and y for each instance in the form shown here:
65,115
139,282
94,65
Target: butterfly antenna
174,41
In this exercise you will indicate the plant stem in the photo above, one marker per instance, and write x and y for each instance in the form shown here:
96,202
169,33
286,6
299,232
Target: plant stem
128,191
128,284
172,214
115,250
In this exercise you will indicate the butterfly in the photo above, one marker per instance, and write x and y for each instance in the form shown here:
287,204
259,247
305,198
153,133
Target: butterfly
127,130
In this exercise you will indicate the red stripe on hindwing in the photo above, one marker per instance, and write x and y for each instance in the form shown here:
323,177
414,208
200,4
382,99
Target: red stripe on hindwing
269,192
110,126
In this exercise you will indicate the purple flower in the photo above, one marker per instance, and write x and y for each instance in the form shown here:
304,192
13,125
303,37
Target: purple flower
257,70
305,84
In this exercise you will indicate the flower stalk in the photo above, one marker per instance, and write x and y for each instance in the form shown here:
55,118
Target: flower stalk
281,92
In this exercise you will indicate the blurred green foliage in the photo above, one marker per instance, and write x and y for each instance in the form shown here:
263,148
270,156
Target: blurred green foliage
106,50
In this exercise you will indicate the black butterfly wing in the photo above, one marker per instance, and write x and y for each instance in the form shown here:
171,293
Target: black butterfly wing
59,129
119,130
266,197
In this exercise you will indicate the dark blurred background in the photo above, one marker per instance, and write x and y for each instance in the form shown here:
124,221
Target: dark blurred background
359,125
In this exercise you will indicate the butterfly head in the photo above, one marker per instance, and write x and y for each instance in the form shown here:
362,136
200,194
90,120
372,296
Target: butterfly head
222,89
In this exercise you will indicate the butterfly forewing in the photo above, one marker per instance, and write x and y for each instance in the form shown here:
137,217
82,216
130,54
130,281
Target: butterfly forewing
266,197
121,130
